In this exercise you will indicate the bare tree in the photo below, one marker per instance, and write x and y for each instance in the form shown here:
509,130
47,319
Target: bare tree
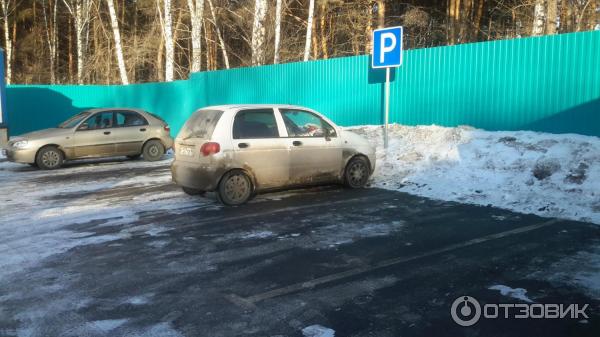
166,21
117,36
196,8
6,7
309,29
80,10
219,36
50,27
277,31
259,32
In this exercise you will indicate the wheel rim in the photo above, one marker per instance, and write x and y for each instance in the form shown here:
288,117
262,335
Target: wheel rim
237,188
357,173
50,158
154,151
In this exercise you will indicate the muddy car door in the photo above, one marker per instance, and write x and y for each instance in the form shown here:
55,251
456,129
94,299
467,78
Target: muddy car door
258,147
315,151
93,137
130,132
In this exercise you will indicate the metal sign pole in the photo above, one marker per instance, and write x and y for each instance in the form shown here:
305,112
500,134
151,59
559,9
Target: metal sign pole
387,106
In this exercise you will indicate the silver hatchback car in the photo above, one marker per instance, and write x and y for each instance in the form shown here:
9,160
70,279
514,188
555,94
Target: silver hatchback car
238,150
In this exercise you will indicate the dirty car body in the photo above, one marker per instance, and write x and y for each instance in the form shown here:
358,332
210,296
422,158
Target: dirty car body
92,134
276,146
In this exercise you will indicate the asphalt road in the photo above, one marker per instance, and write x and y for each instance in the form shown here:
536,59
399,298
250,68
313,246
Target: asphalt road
112,248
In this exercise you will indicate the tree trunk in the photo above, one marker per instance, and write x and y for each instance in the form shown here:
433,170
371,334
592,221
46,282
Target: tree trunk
80,11
277,31
258,32
5,6
167,25
50,29
368,29
539,11
309,29
551,22
196,13
381,13
219,36
117,36
323,29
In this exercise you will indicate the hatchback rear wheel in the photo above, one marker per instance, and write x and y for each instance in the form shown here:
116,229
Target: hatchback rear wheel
153,150
235,188
357,172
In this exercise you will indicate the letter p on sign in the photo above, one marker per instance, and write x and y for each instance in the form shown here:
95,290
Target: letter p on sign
387,47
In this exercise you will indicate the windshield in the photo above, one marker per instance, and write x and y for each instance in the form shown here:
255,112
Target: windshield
73,121
201,124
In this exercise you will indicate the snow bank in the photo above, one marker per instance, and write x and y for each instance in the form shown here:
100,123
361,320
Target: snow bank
549,175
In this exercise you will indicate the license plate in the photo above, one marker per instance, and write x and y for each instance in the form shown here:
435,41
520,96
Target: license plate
186,151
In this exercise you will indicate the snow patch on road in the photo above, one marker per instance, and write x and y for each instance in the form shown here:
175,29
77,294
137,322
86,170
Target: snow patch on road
551,175
518,293
317,331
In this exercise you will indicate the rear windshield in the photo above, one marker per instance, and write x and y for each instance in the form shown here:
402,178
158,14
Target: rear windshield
201,124
157,117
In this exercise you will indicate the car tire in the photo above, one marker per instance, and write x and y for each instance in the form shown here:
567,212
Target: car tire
153,150
357,172
235,188
49,158
134,157
192,191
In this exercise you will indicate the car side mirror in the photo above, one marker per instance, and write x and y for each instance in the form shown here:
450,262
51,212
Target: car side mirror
82,127
328,134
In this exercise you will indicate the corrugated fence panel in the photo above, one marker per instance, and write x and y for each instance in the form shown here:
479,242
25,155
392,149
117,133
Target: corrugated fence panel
549,83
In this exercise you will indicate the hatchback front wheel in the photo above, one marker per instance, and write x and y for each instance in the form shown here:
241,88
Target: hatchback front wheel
357,172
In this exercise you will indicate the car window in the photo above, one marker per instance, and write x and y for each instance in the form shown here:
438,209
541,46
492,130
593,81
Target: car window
256,123
129,118
201,124
100,120
300,123
73,121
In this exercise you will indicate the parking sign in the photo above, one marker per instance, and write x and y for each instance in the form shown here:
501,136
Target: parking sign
387,47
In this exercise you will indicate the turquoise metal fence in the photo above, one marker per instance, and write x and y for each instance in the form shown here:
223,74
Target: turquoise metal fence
549,83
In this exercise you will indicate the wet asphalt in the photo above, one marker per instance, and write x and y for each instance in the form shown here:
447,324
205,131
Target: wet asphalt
367,262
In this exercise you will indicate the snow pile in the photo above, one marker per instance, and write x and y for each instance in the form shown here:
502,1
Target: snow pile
529,172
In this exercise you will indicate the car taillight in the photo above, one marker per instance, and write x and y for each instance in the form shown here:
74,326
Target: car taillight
167,128
210,148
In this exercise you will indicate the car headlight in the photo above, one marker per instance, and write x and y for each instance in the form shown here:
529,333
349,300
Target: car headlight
21,144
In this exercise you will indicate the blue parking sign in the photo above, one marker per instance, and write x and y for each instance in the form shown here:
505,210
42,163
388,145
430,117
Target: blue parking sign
387,47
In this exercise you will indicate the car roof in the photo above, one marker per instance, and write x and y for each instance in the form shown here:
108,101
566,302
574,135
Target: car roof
226,107
115,108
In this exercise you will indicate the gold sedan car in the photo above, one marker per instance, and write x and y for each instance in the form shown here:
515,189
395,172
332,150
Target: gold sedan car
93,134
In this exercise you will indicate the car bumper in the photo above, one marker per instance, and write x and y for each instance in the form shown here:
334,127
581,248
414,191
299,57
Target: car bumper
196,176
26,156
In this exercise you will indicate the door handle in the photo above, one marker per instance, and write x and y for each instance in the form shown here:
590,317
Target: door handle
297,143
243,145
107,132
143,129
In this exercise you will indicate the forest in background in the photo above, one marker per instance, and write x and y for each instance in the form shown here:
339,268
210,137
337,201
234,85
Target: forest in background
134,41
